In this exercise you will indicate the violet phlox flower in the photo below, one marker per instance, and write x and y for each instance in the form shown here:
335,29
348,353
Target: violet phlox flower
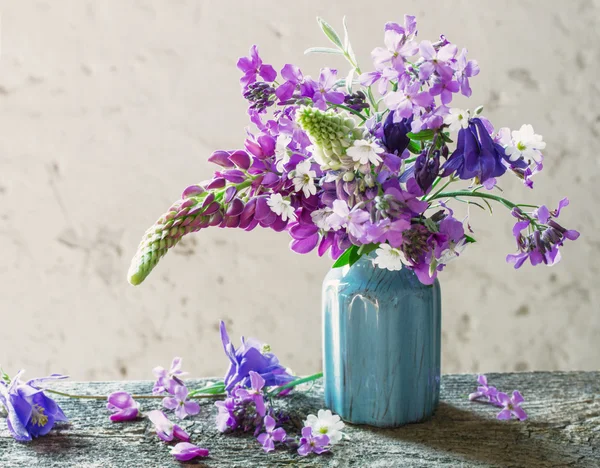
252,66
438,60
325,90
312,443
123,407
165,429
226,415
484,391
398,47
294,81
465,69
352,220
180,403
254,394
167,380
251,356
406,102
271,435
511,406
184,451
30,412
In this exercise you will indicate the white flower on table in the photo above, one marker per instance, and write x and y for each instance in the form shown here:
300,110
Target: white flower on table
326,423
364,152
281,206
390,258
304,179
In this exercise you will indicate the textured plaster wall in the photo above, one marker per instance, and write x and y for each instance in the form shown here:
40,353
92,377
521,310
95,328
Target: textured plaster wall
109,108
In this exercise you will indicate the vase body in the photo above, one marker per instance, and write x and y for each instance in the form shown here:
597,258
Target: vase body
381,345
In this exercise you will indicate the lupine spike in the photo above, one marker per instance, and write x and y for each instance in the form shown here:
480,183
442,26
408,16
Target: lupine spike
181,219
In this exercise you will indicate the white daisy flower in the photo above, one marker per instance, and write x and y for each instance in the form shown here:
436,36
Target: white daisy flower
390,258
457,119
525,143
326,423
304,179
364,152
281,206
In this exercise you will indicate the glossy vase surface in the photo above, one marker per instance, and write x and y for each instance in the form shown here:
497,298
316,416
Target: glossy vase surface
381,345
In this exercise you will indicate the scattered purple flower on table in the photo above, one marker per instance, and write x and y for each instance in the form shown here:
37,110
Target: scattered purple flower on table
123,407
512,406
251,356
226,417
310,443
167,380
484,391
165,429
252,66
271,435
179,402
254,394
184,451
30,412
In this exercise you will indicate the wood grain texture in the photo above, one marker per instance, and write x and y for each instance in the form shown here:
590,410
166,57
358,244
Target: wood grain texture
563,430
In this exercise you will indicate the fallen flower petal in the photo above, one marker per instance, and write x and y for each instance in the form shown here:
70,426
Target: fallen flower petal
185,451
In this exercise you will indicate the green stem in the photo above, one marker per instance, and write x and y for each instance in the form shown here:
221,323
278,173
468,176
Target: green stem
468,193
440,190
309,378
136,397
352,111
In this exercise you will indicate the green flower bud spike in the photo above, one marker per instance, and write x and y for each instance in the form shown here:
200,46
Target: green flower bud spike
332,133
184,216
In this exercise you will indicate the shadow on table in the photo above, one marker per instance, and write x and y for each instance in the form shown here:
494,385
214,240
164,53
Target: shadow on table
457,433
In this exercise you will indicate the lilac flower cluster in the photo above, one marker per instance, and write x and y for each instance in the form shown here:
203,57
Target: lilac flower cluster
346,172
511,405
31,413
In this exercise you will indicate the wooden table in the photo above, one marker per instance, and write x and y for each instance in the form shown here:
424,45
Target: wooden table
563,430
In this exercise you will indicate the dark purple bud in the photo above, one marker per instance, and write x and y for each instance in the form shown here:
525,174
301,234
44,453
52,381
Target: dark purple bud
426,170
191,191
394,134
221,158
229,194
236,208
241,159
216,183
249,227
208,200
234,176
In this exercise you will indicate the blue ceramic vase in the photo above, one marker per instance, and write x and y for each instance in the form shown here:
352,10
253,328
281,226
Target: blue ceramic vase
381,345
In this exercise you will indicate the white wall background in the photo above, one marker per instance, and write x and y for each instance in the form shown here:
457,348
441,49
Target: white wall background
109,109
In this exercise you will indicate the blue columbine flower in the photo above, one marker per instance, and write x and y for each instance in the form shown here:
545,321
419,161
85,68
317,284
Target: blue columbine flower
394,134
30,412
476,154
251,356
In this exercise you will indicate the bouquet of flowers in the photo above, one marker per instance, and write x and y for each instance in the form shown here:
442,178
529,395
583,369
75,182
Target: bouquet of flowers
361,163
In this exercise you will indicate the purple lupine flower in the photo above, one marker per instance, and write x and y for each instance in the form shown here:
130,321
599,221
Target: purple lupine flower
254,394
406,102
184,451
484,391
252,66
465,69
179,402
512,406
324,92
167,380
439,61
123,407
30,412
397,49
476,154
310,443
165,429
250,357
271,435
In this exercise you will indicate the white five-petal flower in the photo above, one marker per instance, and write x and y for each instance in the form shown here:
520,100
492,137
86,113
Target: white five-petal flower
525,143
304,179
326,423
364,152
281,206
457,119
389,257
282,153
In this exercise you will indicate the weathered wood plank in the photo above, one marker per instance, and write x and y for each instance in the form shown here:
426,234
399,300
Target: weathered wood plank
563,430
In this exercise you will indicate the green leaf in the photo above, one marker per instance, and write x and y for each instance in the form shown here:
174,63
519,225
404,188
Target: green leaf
322,50
367,248
469,239
345,257
422,135
330,32
346,37
414,147
446,137
349,79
